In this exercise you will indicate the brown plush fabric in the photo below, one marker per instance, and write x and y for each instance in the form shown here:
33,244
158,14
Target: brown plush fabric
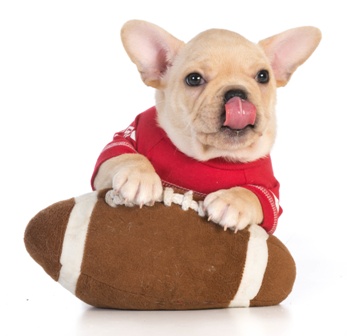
281,270
156,258
45,233
159,257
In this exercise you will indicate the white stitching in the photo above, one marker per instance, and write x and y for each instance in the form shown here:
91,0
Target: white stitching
168,197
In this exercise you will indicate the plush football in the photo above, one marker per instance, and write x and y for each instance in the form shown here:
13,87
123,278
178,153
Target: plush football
160,257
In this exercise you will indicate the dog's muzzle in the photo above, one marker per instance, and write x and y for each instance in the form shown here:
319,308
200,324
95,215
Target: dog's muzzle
239,112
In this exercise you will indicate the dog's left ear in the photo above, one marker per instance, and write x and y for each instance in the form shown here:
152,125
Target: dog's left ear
151,48
287,50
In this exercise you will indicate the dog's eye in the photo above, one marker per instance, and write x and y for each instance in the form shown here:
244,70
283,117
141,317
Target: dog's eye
195,79
263,77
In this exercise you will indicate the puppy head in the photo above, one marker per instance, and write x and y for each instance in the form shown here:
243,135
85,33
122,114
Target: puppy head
216,94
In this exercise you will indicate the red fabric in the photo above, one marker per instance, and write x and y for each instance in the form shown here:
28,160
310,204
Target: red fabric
176,169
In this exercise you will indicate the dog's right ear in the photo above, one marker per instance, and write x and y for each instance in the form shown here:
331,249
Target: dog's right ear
151,48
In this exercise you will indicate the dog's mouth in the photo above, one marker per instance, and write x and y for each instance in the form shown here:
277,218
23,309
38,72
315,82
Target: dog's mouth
239,113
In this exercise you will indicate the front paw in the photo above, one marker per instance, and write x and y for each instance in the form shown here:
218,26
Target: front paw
233,208
137,186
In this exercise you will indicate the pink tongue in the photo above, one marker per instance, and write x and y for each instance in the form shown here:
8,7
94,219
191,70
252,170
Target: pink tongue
239,113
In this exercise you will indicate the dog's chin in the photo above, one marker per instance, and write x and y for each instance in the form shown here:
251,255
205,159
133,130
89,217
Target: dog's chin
242,145
237,135
226,138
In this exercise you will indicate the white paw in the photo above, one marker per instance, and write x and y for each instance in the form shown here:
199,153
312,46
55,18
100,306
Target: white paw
234,208
137,186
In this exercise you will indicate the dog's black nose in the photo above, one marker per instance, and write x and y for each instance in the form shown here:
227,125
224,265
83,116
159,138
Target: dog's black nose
234,93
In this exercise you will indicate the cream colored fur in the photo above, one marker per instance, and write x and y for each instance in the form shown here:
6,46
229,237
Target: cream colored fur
191,115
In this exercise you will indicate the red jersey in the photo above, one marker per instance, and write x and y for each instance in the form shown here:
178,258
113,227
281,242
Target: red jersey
180,171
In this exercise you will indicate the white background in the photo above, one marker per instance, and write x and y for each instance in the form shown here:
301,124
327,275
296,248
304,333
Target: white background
66,85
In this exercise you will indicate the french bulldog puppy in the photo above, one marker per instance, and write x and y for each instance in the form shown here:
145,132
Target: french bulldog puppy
213,124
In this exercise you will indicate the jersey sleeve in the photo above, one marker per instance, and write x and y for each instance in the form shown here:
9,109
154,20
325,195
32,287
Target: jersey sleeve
123,142
269,200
